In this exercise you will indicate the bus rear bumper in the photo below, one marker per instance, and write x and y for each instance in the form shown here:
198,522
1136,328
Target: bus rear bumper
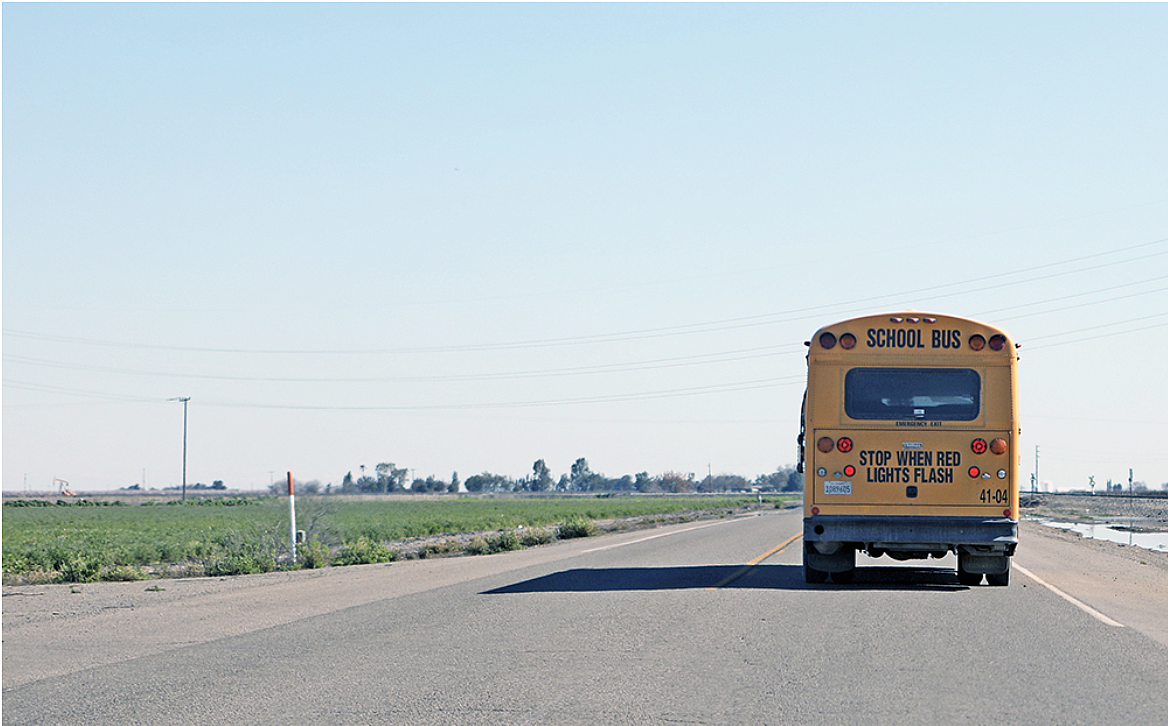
926,535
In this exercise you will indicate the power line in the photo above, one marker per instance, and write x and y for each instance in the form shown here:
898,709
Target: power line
647,333
661,363
609,398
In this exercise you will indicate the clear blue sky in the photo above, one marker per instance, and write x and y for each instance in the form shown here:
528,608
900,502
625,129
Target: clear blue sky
466,237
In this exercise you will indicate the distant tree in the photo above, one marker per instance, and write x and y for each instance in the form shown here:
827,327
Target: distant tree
784,479
794,480
722,483
347,485
429,485
218,484
541,476
390,478
645,483
488,482
583,479
454,484
675,482
564,483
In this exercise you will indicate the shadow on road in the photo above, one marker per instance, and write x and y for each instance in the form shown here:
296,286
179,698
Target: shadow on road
756,577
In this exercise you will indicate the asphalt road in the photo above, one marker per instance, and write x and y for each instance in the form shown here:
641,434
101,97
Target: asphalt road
685,624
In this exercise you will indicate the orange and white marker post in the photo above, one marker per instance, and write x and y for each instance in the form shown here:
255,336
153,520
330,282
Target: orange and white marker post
292,514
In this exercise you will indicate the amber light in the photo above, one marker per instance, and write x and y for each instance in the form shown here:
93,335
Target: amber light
976,342
974,472
825,444
844,444
847,341
979,446
827,341
998,446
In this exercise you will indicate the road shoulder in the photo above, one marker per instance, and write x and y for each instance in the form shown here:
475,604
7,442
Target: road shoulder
1127,584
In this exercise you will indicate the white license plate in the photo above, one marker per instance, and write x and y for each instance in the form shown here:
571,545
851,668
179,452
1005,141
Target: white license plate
837,487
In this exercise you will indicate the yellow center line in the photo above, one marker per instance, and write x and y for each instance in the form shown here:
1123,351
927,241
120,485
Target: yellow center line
754,562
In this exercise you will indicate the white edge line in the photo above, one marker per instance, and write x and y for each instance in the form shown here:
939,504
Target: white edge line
1077,603
655,536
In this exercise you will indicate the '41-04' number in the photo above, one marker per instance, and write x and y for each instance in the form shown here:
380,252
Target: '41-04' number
995,496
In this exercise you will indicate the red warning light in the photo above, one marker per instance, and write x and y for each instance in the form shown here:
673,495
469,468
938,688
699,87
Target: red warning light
997,342
827,341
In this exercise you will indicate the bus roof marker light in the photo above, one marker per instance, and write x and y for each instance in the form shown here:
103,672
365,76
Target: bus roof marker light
896,320
827,341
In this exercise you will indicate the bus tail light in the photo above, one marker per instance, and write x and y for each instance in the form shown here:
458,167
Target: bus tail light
998,446
974,472
849,470
979,446
844,444
825,444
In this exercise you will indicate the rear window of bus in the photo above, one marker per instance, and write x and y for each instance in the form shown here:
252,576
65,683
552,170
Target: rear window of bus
946,394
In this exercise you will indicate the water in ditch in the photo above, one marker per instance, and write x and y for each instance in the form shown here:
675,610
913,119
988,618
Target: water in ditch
1119,533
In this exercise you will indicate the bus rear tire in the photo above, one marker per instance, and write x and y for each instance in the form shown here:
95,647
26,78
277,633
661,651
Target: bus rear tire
812,576
1001,579
964,576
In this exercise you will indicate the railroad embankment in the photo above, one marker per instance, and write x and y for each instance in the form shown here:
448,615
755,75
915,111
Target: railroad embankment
1147,513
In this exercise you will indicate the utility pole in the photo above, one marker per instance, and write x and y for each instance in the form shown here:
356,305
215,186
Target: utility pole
1034,489
184,471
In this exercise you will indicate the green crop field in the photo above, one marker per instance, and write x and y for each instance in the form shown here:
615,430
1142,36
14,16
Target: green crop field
87,541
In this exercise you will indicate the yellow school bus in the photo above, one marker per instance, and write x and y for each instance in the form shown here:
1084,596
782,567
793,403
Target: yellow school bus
909,445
